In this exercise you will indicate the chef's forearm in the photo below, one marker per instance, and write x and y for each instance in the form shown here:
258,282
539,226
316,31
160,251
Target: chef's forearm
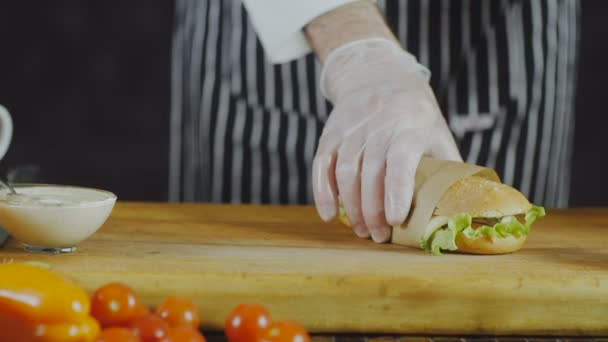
350,22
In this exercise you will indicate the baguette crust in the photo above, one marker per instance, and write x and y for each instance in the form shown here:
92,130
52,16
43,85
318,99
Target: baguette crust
481,197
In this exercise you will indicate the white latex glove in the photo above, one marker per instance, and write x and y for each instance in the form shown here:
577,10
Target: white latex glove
385,119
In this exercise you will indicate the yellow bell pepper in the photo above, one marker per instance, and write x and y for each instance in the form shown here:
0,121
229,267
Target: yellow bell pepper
39,305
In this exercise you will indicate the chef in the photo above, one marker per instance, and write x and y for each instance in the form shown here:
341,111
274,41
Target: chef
295,101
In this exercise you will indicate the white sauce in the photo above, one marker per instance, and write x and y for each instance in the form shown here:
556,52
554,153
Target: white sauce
57,196
54,216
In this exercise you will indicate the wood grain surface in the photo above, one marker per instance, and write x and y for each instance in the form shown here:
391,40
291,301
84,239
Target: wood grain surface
324,277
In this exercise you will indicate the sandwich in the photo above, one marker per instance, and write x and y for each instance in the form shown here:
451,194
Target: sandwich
477,215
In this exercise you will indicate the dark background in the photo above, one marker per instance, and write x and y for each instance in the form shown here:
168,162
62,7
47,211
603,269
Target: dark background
87,83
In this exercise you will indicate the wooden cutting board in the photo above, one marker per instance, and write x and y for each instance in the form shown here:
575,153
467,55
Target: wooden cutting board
324,277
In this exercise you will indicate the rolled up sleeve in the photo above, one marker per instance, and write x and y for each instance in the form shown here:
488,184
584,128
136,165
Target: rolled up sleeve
279,24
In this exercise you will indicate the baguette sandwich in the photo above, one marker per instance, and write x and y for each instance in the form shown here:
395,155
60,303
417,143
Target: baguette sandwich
478,216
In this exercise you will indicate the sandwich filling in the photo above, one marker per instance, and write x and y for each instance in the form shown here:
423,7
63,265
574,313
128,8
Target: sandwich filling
446,229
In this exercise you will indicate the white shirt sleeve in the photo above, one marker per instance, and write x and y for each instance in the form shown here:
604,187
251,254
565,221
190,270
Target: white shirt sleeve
279,24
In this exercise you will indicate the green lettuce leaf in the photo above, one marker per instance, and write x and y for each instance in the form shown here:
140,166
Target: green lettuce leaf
444,238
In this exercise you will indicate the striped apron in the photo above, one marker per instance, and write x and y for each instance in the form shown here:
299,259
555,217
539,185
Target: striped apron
245,131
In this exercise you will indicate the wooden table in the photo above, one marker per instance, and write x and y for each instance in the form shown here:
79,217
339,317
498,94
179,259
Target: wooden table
324,277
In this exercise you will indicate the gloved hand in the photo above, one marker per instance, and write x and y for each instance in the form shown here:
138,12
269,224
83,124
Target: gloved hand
385,118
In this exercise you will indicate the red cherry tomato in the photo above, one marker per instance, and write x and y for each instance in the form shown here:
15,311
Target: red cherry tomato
183,334
284,332
114,304
246,322
150,328
140,310
117,334
179,311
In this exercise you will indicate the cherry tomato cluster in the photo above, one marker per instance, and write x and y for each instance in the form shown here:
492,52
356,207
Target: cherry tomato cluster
125,319
252,323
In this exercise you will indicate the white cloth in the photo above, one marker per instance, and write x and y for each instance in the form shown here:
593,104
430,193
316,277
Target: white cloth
279,24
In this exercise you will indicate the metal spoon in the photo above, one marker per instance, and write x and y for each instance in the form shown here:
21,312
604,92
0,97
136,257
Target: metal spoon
3,234
10,188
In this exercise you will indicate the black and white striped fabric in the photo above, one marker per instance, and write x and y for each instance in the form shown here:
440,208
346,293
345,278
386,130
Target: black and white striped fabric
245,131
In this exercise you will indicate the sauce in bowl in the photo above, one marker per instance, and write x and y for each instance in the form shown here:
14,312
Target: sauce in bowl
53,218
